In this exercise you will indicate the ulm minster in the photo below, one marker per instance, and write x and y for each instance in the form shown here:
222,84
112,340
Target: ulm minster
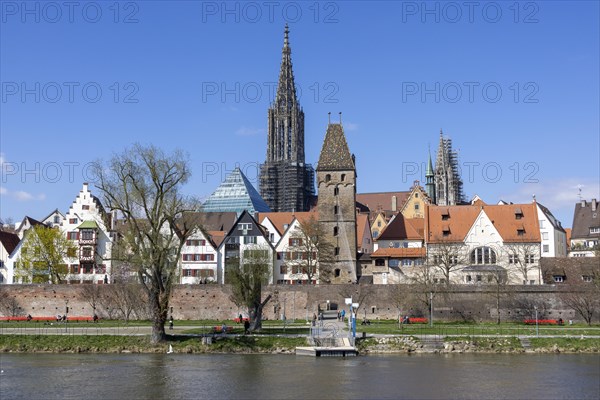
309,226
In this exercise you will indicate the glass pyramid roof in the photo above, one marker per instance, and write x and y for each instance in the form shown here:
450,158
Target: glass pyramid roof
237,194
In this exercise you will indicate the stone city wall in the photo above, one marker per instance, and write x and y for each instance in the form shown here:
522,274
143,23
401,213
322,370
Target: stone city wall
462,302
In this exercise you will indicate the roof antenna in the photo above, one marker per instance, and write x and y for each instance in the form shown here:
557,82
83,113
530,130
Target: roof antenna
340,117
329,118
579,194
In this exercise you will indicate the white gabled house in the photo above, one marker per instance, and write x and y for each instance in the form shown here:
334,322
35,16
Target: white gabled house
199,259
246,238
88,225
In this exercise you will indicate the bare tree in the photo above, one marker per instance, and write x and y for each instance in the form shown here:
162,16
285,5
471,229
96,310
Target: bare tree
498,279
311,251
248,277
582,294
9,305
144,186
447,257
523,258
92,295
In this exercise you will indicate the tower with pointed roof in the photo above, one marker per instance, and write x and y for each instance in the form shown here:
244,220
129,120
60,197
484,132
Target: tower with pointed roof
336,180
286,181
447,182
429,180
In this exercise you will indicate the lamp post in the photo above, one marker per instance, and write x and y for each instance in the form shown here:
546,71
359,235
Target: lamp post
430,308
66,313
537,328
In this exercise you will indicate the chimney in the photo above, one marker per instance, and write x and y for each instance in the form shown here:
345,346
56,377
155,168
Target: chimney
394,203
583,203
594,205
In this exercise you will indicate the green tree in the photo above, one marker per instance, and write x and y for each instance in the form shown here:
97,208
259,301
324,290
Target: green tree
144,186
43,254
247,280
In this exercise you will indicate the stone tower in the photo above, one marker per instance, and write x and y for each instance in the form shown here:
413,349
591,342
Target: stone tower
448,184
336,181
286,182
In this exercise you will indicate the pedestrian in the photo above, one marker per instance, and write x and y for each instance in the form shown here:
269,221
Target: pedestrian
314,320
240,319
95,318
171,323
343,315
246,326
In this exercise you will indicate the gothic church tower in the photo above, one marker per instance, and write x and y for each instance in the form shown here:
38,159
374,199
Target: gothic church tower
286,182
447,181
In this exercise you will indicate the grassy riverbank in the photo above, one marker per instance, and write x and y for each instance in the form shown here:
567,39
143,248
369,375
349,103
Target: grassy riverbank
141,344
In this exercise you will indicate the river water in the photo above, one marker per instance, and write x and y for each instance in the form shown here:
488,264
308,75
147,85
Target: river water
178,376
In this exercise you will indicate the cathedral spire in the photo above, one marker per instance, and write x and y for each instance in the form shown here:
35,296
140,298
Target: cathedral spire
286,88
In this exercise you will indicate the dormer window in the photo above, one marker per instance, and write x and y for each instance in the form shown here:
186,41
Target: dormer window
521,231
594,230
343,177
445,215
518,213
446,230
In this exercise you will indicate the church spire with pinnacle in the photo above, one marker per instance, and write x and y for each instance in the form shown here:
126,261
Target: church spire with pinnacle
286,182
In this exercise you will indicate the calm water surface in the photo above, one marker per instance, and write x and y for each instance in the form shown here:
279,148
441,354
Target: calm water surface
161,376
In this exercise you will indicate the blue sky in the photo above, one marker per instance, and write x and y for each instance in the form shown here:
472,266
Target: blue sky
515,85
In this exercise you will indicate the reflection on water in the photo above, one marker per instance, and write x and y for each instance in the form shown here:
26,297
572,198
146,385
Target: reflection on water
161,376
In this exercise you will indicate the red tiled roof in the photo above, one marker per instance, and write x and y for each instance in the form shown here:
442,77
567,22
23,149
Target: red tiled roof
403,228
382,200
461,219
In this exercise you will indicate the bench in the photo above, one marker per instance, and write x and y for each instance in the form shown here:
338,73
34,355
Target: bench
417,320
219,329
237,320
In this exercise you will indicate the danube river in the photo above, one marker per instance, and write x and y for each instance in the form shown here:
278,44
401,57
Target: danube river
178,376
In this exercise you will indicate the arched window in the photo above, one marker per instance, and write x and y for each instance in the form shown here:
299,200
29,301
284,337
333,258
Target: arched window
343,177
336,191
337,272
483,255
327,178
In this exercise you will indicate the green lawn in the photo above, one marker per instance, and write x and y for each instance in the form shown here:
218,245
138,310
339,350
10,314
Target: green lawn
445,329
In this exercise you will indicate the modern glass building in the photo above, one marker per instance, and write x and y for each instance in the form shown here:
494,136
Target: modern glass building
235,194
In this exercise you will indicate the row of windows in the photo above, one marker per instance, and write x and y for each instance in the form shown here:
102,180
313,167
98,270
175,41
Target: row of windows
195,242
328,177
198,257
202,273
514,259
395,262
87,269
295,255
295,269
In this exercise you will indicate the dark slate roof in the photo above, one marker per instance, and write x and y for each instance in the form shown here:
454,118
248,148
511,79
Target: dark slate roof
571,268
552,219
213,221
585,218
9,241
366,279
335,154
